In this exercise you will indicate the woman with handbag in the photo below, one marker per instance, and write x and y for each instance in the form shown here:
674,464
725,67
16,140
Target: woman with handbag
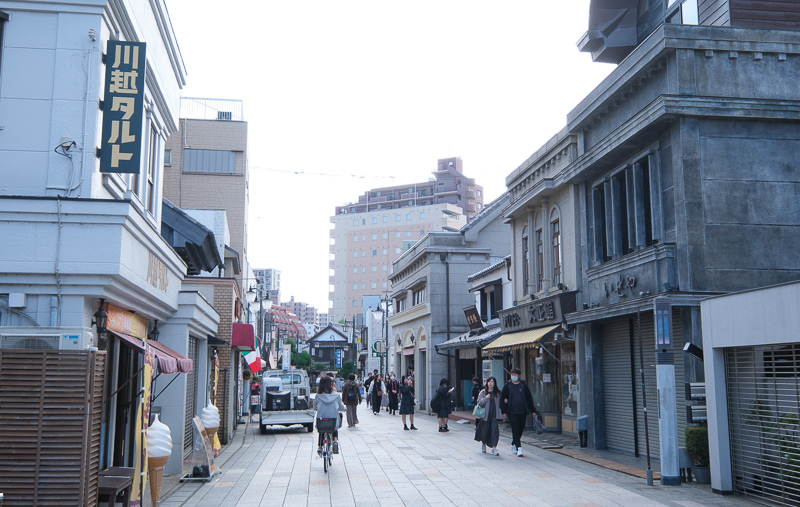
376,390
489,429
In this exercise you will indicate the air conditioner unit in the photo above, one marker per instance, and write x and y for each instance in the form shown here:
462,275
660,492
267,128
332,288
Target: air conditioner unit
46,338
224,115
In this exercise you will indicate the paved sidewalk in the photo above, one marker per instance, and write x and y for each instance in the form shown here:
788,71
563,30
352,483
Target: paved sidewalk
380,464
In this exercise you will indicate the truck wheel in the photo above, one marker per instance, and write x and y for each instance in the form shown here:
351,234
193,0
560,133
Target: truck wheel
263,428
310,427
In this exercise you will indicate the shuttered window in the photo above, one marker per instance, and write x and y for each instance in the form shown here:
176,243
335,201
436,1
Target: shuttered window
209,161
763,385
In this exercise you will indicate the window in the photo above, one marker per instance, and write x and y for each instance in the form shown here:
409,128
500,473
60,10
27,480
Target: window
526,280
421,215
152,171
355,238
363,221
374,220
421,232
626,211
385,235
379,206
374,236
363,253
383,285
374,252
556,252
398,250
539,260
385,251
400,304
408,234
363,269
397,218
355,254
355,303
397,234
479,193
355,222
374,285
167,157
355,286
408,215
384,268
363,237
374,269
209,161
384,219
363,285
419,296
355,269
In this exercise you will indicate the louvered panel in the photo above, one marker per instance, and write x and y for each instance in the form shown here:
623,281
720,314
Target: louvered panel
50,411
617,385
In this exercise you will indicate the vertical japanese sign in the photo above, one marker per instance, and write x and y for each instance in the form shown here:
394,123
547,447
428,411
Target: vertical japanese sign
287,356
123,107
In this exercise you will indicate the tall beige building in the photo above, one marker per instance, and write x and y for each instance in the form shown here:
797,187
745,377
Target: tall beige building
368,235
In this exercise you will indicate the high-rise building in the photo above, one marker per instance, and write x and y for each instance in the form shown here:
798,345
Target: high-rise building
305,312
370,234
269,279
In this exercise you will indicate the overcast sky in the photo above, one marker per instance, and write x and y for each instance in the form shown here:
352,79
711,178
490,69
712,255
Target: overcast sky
344,96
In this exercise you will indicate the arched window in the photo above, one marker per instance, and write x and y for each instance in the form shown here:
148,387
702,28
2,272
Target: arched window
526,259
555,239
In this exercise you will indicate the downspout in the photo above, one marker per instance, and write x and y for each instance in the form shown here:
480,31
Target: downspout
443,258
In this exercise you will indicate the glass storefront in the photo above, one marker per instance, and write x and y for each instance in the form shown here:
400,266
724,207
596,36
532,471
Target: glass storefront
554,384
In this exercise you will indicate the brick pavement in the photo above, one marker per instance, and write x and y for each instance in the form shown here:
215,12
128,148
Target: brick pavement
382,465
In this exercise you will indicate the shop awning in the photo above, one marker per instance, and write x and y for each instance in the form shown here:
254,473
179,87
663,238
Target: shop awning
169,361
244,336
471,339
519,340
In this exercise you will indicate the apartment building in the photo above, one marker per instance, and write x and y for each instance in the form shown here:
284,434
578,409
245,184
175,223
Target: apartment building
305,312
368,235
269,279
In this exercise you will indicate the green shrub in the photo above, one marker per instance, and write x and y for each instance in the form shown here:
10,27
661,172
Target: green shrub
697,445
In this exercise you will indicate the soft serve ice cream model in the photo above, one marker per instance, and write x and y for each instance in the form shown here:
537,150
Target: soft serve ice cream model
159,448
209,416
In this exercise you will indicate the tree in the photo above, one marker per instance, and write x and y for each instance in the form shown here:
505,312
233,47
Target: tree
302,360
348,367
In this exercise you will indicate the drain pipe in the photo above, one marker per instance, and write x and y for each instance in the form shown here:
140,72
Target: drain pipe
53,311
443,258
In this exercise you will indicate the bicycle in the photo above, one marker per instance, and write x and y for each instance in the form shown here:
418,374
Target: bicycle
326,427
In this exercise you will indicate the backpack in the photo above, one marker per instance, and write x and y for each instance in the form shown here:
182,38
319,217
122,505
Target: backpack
351,394
435,403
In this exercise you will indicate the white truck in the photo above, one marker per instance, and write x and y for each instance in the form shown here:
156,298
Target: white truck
285,399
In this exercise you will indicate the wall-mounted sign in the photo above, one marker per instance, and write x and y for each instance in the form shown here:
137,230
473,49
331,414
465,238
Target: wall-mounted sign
157,273
123,107
538,313
121,321
473,318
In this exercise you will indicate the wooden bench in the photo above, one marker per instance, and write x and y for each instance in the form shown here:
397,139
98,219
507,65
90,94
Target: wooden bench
114,481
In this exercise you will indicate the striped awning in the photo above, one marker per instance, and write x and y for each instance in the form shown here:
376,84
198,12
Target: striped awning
519,340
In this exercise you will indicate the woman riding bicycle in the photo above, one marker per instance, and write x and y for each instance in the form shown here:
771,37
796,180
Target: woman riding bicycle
328,404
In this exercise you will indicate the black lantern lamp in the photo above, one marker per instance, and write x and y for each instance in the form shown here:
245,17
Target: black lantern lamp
100,319
155,332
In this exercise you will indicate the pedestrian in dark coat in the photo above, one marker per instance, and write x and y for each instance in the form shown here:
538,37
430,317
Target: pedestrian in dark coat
376,390
516,403
407,401
350,389
476,389
489,428
393,387
443,392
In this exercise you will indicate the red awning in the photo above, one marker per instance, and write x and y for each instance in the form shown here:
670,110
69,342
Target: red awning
244,336
169,361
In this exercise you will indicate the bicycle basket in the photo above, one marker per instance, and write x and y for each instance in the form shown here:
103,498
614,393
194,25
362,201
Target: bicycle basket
327,425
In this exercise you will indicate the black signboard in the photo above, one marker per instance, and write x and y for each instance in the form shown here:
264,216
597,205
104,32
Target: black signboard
538,313
473,318
123,107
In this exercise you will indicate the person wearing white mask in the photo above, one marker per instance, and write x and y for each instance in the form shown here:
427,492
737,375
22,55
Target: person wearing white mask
516,402
393,388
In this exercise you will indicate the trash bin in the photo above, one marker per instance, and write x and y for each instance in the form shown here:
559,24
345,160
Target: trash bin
583,430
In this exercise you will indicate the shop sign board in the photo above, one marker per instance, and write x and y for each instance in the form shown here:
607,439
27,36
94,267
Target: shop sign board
123,107
473,318
538,313
121,321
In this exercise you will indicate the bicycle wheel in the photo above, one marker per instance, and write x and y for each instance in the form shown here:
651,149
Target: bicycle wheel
326,450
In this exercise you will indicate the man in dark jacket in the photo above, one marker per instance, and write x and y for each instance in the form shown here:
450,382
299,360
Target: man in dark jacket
351,397
516,402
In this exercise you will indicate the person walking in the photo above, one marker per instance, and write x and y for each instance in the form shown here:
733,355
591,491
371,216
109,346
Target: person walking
393,388
407,401
328,404
351,397
489,428
376,390
516,403
443,395
476,389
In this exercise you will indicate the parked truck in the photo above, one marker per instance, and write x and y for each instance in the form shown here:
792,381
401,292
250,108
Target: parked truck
285,399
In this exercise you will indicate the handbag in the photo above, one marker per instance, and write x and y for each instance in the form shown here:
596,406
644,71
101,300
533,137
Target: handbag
479,412
538,426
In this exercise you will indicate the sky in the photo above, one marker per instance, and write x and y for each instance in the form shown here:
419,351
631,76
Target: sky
342,96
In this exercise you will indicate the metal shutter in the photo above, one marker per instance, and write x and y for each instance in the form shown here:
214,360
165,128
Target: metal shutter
191,397
617,386
763,386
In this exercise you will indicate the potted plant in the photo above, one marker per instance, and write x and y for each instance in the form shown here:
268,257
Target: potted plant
246,374
697,448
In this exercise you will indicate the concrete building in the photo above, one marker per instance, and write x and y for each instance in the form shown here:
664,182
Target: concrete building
676,175
305,312
368,235
83,244
430,291
270,279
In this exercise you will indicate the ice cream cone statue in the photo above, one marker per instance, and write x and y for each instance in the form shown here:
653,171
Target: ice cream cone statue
209,416
159,447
